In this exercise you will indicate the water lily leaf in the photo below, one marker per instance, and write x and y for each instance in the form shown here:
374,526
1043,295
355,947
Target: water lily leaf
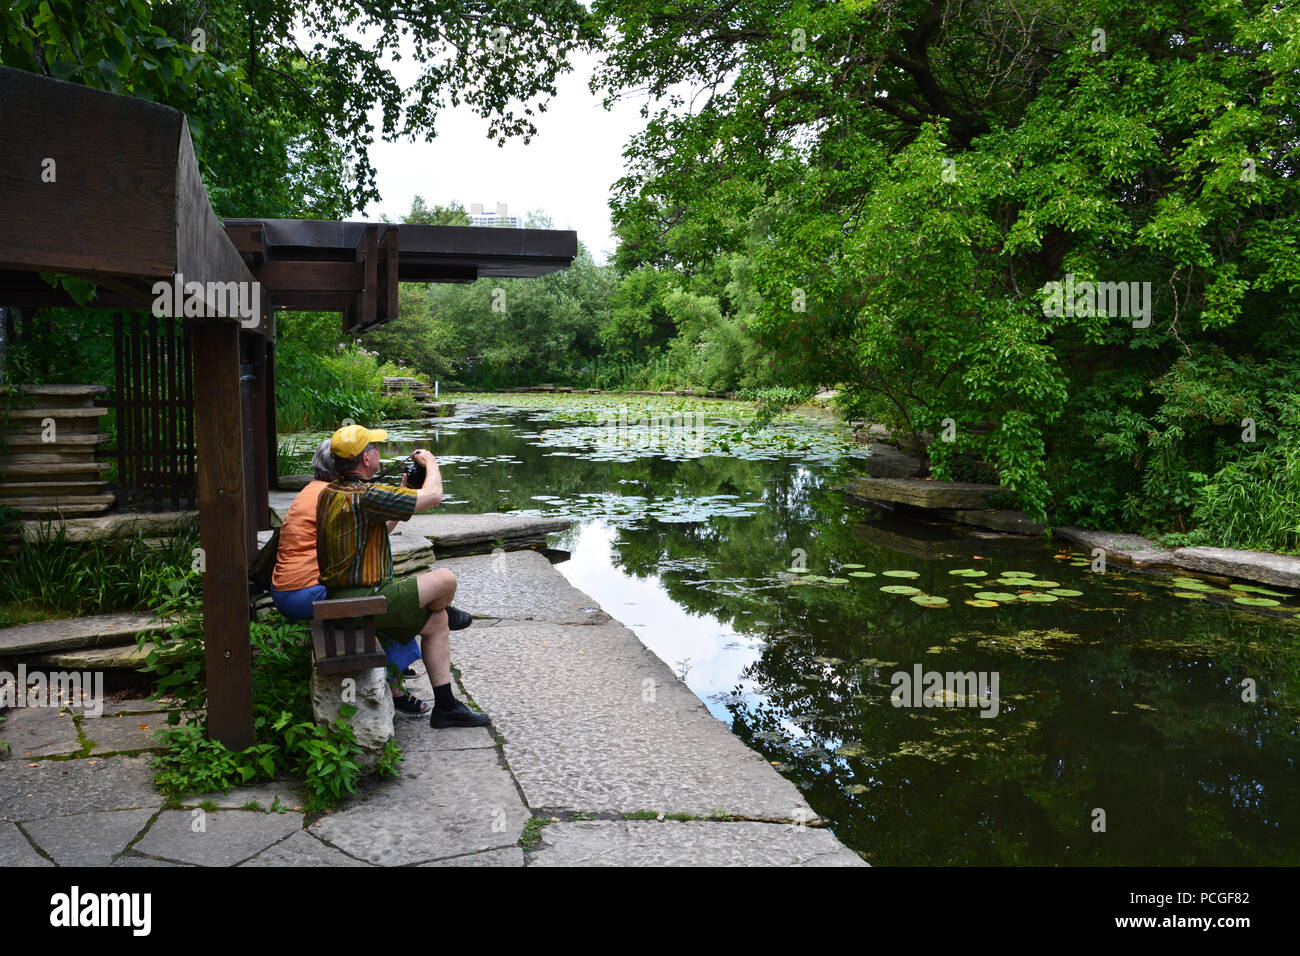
900,589
1190,595
852,567
1036,583
1018,574
901,574
969,573
799,570
835,580
929,600
979,603
998,596
1065,592
1252,588
862,574
1038,597
1256,602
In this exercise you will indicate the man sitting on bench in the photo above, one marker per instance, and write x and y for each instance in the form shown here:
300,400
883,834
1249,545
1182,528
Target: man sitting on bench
353,518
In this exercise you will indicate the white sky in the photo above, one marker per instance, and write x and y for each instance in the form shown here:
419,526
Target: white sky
566,171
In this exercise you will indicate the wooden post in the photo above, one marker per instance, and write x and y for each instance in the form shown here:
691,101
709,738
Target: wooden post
220,439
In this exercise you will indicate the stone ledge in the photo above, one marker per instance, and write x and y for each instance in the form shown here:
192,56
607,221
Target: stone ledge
1262,566
1125,548
921,493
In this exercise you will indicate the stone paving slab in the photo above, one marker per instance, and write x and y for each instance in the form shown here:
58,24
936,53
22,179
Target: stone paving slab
522,586
138,706
110,734
691,843
300,849
15,850
414,735
88,839
227,837
506,856
581,735
264,794
1127,548
128,860
40,732
74,633
107,658
1265,567
441,805
60,787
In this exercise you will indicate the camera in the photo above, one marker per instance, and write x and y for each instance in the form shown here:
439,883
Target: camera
415,474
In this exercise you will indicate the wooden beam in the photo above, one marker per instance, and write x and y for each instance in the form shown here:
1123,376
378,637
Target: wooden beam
285,277
220,439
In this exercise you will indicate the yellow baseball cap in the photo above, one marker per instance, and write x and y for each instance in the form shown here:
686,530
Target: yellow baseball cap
351,440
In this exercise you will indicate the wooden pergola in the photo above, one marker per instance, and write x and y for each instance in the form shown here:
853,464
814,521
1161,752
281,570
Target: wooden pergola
106,188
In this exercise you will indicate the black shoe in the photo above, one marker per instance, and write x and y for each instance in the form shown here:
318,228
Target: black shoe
458,620
458,716
410,705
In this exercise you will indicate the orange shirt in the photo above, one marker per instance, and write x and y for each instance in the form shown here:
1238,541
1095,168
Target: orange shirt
295,560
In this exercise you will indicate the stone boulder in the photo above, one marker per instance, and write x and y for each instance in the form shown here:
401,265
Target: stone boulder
368,690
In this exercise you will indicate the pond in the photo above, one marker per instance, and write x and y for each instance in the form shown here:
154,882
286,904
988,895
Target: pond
941,696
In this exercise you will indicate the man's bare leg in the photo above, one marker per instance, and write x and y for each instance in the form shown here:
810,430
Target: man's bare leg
436,590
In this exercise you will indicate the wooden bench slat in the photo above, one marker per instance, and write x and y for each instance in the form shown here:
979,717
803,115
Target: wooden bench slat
348,607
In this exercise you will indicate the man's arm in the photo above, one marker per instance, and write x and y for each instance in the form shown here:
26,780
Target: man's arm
430,494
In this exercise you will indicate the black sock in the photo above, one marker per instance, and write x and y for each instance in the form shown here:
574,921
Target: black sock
443,698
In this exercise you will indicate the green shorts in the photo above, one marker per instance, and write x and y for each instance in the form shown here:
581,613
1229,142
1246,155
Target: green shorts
404,618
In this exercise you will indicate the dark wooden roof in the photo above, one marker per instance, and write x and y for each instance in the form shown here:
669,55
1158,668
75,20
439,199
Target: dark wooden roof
122,204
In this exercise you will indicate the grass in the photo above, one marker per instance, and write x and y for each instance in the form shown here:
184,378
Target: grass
52,576
532,835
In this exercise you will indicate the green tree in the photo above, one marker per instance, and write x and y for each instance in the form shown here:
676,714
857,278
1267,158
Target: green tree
893,185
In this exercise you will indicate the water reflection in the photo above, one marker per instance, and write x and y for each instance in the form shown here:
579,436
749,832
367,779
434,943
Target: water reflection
1114,695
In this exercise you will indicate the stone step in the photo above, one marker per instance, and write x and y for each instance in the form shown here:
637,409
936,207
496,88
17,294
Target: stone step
47,504
119,657
114,526
61,511
23,470
20,489
64,391
70,441
922,493
76,633
57,413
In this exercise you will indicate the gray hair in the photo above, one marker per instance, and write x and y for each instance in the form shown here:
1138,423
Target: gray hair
349,465
322,463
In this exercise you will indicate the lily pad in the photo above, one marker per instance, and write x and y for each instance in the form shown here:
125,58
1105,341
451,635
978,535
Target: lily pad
900,589
798,570
852,567
1035,583
1256,602
1190,595
999,596
1039,597
835,580
979,603
862,574
929,600
1255,590
901,574
1018,574
1192,584
1065,592
969,573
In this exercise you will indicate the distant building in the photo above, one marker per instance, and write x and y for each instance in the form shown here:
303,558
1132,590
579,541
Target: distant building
477,217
